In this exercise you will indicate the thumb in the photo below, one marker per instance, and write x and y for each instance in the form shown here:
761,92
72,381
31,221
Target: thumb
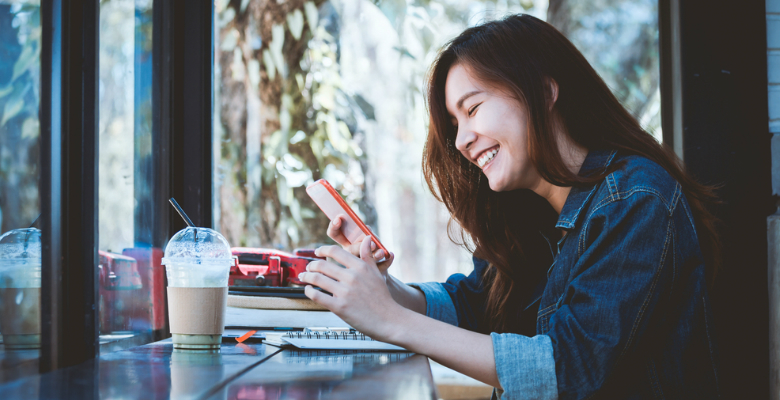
365,250
384,265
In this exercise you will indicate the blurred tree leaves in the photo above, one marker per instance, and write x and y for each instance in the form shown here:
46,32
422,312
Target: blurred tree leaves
394,10
286,119
20,50
365,107
19,94
620,39
300,122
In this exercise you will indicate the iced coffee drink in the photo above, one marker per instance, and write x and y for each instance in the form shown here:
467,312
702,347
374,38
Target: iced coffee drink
197,263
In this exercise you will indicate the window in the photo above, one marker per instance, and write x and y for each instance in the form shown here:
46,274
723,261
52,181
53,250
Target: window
20,47
302,91
20,251
334,90
620,39
130,278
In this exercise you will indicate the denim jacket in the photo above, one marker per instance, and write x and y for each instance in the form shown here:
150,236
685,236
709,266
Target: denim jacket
623,312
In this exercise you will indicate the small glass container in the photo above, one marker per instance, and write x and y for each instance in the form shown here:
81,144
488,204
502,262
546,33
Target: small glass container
20,288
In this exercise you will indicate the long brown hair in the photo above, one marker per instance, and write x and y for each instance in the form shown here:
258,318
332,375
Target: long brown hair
521,54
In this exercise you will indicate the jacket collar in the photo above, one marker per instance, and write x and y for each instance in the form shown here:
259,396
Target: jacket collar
597,161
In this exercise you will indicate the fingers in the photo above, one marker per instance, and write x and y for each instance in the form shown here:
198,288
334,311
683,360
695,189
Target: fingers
344,257
354,248
386,263
377,255
319,280
335,233
319,297
365,250
328,269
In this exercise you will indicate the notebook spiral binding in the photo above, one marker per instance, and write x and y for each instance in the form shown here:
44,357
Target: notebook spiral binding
351,335
344,357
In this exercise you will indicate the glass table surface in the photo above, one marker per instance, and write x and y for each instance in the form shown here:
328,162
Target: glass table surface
238,371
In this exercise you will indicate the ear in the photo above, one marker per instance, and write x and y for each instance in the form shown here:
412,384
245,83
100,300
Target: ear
552,92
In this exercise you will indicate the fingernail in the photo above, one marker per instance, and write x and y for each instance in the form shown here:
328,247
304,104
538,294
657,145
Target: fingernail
301,275
379,254
317,251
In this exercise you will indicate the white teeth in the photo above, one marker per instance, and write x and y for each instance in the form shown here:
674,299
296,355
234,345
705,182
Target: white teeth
487,157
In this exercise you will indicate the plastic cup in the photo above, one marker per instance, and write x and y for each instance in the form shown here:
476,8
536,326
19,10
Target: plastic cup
20,289
197,262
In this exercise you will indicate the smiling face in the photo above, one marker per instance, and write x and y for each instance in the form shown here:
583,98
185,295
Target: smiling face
492,131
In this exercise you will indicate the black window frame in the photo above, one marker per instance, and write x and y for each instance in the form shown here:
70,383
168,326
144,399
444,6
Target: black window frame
182,163
69,183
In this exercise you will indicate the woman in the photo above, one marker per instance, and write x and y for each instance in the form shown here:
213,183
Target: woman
593,249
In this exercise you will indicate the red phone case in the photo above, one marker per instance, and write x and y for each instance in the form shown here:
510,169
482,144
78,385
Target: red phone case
317,191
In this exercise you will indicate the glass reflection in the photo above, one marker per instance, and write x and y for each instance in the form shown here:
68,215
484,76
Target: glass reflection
131,279
123,307
335,374
20,241
186,364
20,289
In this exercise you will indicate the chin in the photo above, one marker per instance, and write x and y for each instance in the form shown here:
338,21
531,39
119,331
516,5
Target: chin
502,180
502,185
496,186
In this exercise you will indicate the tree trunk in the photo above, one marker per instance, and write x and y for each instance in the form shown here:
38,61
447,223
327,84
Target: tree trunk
250,107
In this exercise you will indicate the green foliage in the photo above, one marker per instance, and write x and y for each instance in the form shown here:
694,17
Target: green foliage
394,10
317,120
295,67
19,97
19,125
307,123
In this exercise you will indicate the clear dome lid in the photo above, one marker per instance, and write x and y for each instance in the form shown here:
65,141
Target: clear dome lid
20,245
198,246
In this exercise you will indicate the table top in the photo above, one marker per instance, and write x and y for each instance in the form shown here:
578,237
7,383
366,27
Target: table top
238,371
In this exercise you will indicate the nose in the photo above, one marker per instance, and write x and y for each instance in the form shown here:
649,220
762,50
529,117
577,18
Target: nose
464,139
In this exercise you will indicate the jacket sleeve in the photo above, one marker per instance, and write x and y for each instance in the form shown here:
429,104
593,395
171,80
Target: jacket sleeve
459,301
625,264
525,365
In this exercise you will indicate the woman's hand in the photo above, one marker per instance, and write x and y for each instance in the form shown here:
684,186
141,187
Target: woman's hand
404,295
359,292
362,299
335,233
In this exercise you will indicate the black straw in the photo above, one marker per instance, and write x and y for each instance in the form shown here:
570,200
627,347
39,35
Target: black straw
27,235
181,212
36,221
183,216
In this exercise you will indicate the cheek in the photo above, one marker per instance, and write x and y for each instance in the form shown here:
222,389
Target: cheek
512,120
500,116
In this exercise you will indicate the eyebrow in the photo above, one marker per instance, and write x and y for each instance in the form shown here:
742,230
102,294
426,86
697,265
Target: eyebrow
466,96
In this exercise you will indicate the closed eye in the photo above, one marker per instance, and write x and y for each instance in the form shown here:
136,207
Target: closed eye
473,109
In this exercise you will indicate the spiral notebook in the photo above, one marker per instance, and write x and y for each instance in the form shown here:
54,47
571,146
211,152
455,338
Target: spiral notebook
329,340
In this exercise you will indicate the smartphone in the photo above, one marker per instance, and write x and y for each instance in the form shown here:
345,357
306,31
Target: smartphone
332,204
